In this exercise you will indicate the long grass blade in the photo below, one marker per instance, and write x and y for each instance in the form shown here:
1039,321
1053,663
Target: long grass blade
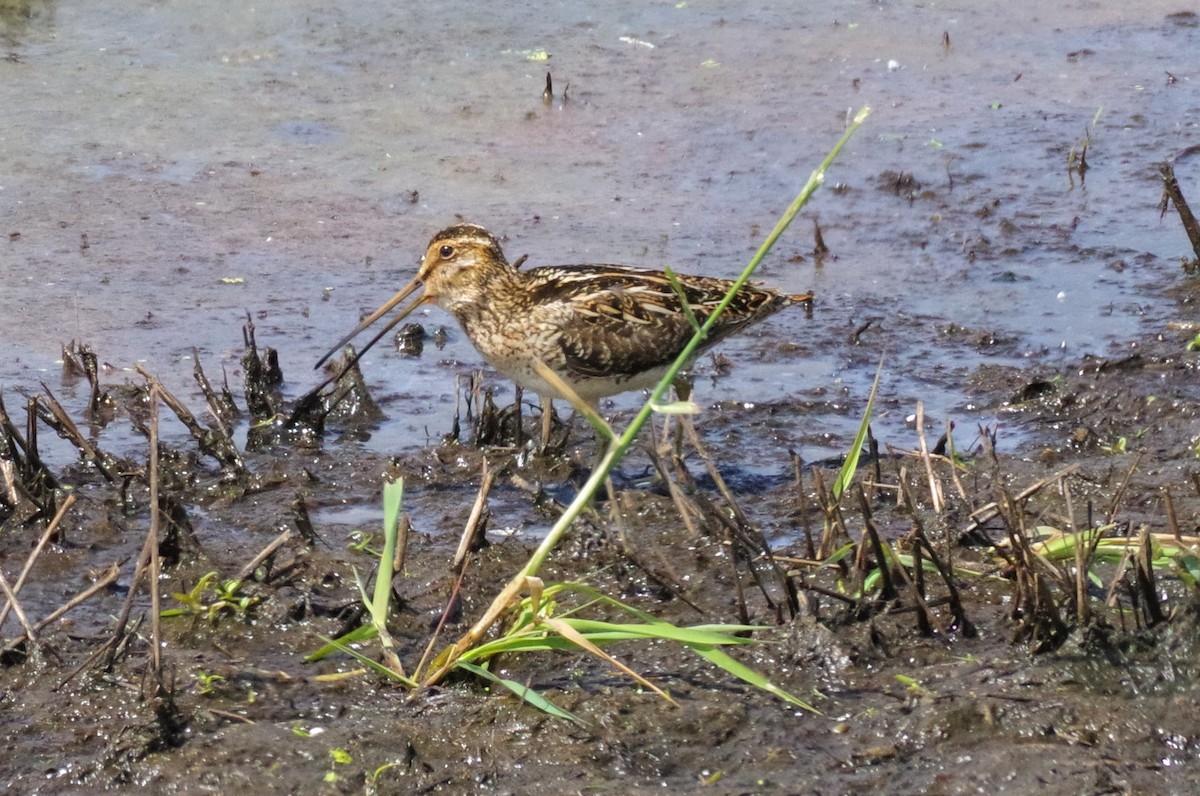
531,697
355,636
753,677
850,466
571,634
369,662
393,497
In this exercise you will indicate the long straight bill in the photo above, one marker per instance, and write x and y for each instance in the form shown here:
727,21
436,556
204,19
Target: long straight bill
374,316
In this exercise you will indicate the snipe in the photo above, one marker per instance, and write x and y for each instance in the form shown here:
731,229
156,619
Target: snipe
602,329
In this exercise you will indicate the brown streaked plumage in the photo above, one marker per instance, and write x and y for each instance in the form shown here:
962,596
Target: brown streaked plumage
603,329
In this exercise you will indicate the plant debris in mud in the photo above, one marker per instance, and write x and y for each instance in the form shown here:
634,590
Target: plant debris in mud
965,548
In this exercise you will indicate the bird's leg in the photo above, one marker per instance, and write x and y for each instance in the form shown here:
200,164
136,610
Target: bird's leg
547,421
683,386
683,391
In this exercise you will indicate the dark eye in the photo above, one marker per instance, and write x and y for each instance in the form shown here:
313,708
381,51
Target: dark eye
446,252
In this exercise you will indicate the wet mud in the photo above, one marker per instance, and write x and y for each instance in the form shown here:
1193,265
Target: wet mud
183,192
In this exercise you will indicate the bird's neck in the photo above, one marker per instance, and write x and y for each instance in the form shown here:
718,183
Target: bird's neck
498,293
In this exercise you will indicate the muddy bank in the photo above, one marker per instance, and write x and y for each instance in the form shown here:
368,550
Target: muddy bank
1012,676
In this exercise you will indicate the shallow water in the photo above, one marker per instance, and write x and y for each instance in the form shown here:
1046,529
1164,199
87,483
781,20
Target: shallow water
290,160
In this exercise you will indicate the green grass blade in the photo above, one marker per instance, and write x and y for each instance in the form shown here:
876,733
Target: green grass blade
355,636
393,497
667,631
683,299
850,466
752,676
530,697
368,662
616,450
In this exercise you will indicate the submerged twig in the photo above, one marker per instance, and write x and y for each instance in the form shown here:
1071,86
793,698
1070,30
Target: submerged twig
51,529
105,580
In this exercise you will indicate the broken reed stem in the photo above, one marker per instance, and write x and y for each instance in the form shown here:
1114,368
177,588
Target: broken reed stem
43,540
265,553
690,430
809,548
212,441
1082,556
87,662
139,572
887,590
1120,493
926,623
1110,598
472,536
741,529
1146,582
155,564
220,408
924,616
31,435
992,510
61,422
739,587
35,479
512,590
101,583
1171,189
1033,605
746,543
11,596
833,524
935,487
1172,519
403,531
683,506
945,568
953,460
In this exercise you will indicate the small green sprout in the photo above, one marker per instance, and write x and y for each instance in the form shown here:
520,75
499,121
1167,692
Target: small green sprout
212,598
208,683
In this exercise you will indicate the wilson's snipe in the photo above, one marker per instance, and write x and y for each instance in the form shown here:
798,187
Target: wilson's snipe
603,329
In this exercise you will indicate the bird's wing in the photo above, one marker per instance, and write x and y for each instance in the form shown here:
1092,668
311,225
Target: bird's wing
618,321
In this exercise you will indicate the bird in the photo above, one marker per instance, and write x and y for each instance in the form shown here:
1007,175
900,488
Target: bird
601,329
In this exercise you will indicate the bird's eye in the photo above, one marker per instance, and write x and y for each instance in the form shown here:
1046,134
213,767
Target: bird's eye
446,252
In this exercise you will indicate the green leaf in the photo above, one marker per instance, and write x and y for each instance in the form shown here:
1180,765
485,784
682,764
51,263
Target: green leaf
846,474
369,662
393,497
531,697
358,634
753,677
